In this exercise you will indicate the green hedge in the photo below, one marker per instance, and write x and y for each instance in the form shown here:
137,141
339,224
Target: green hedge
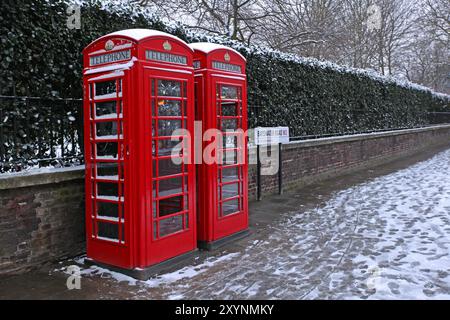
40,56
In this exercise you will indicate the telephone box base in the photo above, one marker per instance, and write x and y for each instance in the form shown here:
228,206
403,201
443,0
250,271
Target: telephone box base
169,265
212,245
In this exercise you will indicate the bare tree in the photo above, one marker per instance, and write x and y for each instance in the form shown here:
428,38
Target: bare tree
437,19
238,19
405,38
307,27
356,46
427,58
397,20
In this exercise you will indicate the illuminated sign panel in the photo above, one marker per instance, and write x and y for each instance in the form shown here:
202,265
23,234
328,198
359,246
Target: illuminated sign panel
110,57
226,67
165,57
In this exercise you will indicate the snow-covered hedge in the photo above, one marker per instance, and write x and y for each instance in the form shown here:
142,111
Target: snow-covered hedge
41,56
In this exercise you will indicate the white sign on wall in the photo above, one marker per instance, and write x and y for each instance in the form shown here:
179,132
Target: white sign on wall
271,135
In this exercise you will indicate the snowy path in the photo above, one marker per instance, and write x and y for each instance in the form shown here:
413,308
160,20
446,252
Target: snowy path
386,238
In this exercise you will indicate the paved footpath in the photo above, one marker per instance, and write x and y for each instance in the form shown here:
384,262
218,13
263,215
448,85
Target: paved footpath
387,237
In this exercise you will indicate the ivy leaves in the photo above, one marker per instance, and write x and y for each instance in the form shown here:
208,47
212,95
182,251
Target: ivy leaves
41,56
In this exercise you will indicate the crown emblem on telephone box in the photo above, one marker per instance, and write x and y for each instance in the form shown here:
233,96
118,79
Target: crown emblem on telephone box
109,45
167,46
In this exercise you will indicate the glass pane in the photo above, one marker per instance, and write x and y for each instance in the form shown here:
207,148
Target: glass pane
107,170
107,189
169,88
169,108
91,110
229,124
106,109
170,186
166,127
108,230
165,147
93,150
108,209
105,87
229,109
230,190
105,149
170,225
230,207
154,204
166,167
230,141
229,92
153,108
107,129
230,174
170,205
229,157
184,89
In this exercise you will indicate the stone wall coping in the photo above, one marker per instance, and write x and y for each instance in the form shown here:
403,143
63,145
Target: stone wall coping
44,176
355,137
40,176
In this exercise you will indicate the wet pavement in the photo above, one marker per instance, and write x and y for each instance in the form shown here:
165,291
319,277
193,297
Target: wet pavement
376,234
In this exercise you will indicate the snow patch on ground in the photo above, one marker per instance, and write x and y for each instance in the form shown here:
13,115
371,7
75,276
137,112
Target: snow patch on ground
167,278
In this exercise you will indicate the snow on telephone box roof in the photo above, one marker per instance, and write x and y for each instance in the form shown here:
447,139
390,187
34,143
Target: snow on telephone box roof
134,35
207,47
139,34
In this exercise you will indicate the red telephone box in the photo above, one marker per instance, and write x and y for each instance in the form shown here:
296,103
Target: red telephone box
221,103
140,209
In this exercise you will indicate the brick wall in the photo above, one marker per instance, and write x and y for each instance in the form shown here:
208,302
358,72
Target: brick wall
41,219
309,161
42,214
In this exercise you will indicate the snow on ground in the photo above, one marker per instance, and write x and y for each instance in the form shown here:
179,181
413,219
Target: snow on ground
387,238
163,279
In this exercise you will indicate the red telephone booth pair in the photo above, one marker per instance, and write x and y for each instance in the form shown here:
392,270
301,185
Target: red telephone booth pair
145,208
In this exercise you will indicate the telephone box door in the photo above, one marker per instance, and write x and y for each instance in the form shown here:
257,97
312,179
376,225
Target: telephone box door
231,120
168,121
107,176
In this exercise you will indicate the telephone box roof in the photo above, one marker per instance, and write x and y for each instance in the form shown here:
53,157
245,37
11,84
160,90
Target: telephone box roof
207,47
140,34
